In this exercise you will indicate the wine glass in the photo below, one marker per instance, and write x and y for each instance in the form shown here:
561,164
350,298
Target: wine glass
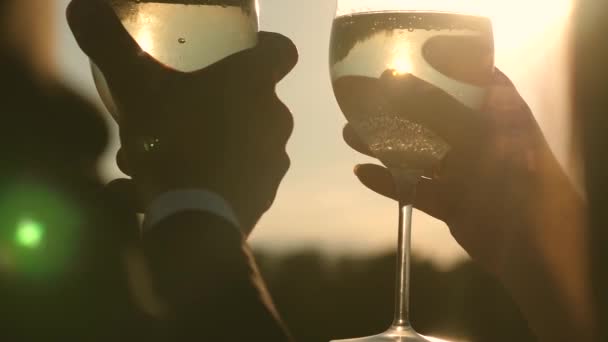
442,43
185,35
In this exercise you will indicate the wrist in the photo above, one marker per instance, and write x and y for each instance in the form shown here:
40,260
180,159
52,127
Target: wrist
182,200
546,267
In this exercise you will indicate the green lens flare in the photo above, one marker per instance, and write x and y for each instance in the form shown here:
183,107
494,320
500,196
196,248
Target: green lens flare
40,229
29,233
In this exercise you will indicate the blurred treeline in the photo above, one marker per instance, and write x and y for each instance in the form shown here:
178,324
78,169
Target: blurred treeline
323,298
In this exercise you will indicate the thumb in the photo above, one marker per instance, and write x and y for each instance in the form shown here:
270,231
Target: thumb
380,180
377,179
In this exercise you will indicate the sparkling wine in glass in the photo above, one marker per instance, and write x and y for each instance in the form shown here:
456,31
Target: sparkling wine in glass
378,40
185,35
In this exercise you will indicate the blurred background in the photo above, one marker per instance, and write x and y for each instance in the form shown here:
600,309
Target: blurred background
326,246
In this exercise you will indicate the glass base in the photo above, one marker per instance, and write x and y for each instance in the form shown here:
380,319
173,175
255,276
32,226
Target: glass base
395,334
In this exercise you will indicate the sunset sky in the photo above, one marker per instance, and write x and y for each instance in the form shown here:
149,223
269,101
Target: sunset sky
321,204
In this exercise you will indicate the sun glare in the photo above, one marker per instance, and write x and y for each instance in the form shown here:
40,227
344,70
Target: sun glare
145,40
400,63
434,339
518,23
400,66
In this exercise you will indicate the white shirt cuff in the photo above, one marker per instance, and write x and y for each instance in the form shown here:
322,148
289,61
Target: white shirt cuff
173,202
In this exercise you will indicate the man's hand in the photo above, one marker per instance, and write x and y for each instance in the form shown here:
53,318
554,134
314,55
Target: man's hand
222,128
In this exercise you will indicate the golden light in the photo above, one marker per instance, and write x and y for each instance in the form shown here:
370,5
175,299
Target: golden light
519,23
401,62
435,339
400,66
142,29
516,23
145,40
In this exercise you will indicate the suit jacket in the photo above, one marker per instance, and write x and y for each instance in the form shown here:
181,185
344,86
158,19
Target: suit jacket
206,284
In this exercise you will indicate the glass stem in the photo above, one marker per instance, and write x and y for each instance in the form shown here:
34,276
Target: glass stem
402,289
406,184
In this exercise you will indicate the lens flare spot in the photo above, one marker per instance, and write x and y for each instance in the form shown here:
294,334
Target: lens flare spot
29,233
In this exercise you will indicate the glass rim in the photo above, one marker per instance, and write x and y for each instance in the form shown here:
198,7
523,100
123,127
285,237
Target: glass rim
351,7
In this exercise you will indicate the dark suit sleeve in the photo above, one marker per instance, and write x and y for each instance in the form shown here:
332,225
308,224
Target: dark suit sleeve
207,281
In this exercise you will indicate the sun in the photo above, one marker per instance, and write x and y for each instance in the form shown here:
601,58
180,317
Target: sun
401,63
400,66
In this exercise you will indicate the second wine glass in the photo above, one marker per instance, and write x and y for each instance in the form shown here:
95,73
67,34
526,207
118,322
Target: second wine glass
380,47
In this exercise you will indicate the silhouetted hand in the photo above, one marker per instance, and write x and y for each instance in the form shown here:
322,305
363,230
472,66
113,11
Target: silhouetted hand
502,193
221,128
490,181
